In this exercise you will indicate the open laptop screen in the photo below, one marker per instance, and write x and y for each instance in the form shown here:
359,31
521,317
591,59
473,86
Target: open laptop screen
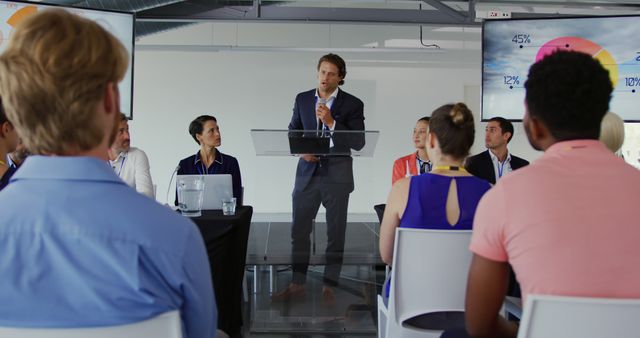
216,188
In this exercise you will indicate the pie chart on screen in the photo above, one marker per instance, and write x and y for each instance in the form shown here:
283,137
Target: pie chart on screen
582,45
20,14
13,20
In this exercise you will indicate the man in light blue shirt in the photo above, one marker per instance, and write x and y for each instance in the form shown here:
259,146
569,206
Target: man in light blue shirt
79,247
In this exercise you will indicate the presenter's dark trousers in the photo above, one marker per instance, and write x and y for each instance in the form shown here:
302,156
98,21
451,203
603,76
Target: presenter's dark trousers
305,207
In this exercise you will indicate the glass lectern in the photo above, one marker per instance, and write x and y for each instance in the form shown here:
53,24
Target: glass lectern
282,142
355,308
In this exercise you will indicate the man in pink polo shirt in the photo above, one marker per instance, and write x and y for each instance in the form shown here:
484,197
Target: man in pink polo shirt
568,223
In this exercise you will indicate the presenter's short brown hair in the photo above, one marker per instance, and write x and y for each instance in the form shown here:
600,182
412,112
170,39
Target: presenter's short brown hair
337,61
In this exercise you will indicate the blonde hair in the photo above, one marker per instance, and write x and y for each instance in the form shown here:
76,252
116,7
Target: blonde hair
612,131
52,76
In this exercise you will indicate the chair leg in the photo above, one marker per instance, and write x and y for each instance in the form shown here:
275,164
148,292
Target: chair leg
245,292
272,279
313,236
383,317
255,279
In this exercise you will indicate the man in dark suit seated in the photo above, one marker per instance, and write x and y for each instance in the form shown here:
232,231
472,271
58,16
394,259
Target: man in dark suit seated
326,179
496,161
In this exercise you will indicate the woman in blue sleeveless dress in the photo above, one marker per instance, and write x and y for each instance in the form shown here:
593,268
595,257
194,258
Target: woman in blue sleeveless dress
445,198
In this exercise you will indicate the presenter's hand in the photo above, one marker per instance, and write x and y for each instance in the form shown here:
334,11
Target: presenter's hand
310,158
324,114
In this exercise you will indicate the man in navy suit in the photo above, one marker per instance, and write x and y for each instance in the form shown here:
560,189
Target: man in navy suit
326,180
496,161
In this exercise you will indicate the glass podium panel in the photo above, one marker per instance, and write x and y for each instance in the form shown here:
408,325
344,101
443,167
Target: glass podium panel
361,279
269,257
283,142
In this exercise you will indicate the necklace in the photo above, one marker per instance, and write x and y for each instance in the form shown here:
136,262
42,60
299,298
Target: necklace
448,167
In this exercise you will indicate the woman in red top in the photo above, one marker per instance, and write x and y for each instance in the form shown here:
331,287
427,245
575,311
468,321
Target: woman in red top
417,162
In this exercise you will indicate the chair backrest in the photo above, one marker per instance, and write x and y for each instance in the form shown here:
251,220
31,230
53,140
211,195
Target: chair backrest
166,325
379,208
429,272
572,317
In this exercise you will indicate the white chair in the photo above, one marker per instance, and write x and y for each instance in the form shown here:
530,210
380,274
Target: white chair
578,317
166,325
429,275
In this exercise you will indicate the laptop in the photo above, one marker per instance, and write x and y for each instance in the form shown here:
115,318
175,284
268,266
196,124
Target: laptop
216,187
308,143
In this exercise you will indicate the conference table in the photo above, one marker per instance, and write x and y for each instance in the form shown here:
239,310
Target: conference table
226,238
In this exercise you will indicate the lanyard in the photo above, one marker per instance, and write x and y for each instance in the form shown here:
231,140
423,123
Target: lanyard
501,168
201,169
124,159
448,167
423,166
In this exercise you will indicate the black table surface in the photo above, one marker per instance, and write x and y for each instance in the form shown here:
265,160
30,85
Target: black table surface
216,224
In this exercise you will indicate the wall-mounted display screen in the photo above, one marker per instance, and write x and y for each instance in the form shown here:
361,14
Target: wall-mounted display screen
120,24
510,47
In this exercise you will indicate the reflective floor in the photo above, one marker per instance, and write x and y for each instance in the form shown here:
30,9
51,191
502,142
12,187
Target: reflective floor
354,310
352,314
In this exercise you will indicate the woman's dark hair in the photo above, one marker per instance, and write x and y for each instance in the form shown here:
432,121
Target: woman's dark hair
424,119
453,126
196,126
337,61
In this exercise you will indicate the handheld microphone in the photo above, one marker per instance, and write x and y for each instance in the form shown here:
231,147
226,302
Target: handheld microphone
170,180
321,102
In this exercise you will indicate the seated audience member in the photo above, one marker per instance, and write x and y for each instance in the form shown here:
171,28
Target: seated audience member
612,132
414,163
80,247
209,160
496,161
444,198
130,164
8,142
568,222
18,156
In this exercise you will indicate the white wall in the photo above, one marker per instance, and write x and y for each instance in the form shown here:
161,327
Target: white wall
191,71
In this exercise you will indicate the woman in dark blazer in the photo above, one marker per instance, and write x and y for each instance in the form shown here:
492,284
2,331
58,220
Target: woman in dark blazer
209,160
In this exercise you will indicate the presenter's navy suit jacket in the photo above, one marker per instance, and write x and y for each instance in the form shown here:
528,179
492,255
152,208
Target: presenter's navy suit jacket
348,113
